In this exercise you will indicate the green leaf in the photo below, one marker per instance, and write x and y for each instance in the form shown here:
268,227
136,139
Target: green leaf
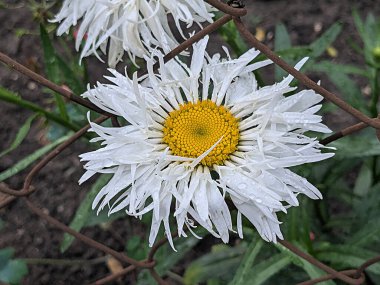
70,77
359,25
137,247
20,136
342,256
168,258
24,163
367,234
230,34
246,264
329,67
293,53
281,42
346,86
11,270
13,98
84,211
364,181
52,70
95,219
319,46
358,146
266,269
165,257
209,265
310,269
282,38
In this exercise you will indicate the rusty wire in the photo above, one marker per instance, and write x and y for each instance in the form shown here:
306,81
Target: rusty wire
351,276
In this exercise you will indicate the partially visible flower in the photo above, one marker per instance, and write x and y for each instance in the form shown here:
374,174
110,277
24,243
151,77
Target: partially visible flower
133,26
200,134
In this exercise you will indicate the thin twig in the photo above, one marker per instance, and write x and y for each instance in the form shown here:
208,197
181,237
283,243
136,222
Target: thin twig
47,83
318,264
236,12
27,189
366,264
85,239
114,276
331,276
189,42
5,202
342,133
157,277
64,262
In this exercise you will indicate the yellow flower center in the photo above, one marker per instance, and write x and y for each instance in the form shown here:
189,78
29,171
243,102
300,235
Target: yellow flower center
195,128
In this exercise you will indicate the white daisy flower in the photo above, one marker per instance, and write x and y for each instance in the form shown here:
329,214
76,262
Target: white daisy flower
133,26
201,135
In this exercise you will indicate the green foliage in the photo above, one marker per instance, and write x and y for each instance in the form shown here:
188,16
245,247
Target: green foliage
28,160
231,37
84,211
281,42
10,97
20,136
244,268
319,46
208,267
63,72
11,270
165,257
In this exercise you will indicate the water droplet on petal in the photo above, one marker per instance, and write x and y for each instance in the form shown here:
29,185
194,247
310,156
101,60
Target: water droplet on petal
242,186
259,201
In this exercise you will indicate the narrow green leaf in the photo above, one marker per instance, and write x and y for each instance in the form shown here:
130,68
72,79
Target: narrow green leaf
20,136
325,40
233,38
367,234
282,38
70,77
52,70
24,163
281,42
83,212
11,270
360,146
51,67
359,24
266,269
246,264
364,181
170,258
346,86
209,265
13,98
295,53
329,67
342,256
310,269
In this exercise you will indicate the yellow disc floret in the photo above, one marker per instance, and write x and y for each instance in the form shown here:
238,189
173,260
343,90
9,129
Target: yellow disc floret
196,127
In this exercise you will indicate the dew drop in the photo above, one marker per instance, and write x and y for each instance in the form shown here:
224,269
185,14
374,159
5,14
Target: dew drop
242,186
259,201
